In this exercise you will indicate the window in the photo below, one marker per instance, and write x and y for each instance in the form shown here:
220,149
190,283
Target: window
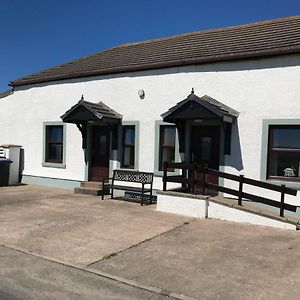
54,144
128,146
166,147
284,152
167,137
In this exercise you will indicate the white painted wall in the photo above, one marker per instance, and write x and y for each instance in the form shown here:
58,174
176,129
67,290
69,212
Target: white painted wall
258,89
221,212
199,208
192,207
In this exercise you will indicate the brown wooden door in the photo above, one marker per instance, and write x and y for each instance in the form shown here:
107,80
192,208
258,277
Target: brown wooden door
100,153
205,149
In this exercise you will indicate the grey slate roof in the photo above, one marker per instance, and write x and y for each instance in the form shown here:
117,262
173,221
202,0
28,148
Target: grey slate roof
217,106
259,39
97,111
211,105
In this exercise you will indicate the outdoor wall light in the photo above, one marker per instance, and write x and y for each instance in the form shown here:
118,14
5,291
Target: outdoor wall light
141,94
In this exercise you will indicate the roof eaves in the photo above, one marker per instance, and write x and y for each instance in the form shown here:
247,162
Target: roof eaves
6,93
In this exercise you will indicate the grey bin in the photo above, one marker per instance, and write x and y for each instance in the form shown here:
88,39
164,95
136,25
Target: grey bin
4,171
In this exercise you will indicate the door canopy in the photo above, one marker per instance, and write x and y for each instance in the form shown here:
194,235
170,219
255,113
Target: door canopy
84,112
194,107
200,108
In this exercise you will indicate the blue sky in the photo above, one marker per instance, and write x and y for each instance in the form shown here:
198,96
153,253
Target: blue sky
38,34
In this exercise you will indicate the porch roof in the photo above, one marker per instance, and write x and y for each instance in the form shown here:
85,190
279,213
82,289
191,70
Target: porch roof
205,107
85,111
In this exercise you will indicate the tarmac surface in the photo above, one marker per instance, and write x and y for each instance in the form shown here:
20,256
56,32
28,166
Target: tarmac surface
57,245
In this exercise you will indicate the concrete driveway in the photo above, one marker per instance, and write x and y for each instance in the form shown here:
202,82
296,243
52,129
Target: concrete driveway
211,259
73,228
57,245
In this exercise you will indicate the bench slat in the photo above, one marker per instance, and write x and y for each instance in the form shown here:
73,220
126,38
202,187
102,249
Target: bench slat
127,188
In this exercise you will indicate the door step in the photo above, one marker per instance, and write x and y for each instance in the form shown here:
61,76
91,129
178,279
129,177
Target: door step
90,188
91,184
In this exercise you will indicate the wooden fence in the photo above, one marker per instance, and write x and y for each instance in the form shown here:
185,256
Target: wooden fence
188,181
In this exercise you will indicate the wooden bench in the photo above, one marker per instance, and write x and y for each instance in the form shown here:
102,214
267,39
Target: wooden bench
130,176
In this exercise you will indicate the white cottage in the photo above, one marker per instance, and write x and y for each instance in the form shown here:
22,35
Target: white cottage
229,97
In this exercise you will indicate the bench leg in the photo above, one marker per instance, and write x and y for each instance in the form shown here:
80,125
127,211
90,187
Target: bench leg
151,197
112,193
142,201
103,184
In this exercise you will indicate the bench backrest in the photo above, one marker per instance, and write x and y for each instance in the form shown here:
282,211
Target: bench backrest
133,176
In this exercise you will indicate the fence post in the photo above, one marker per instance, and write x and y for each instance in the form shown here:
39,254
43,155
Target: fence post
193,170
165,168
282,200
241,189
204,178
184,176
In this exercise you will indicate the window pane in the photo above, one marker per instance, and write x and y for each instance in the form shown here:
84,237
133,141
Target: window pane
54,144
286,138
284,164
128,146
166,144
55,152
55,133
129,136
167,155
129,157
169,136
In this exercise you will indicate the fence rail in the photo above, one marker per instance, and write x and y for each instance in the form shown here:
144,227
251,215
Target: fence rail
189,181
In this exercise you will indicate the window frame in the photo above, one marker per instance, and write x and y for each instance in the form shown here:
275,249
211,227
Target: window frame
53,163
130,146
271,150
157,172
266,123
162,146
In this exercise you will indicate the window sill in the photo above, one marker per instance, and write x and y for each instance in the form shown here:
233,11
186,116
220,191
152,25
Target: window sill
127,169
284,179
161,173
54,165
292,184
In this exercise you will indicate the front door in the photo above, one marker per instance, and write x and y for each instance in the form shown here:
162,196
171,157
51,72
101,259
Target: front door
100,153
205,149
